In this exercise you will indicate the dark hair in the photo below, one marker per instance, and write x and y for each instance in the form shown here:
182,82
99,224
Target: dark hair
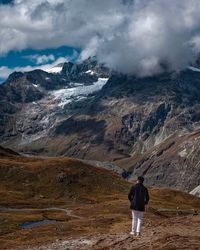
141,179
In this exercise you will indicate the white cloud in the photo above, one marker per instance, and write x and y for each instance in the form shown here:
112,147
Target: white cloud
6,71
40,59
132,36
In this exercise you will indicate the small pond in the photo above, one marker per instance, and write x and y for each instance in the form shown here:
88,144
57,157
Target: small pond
31,224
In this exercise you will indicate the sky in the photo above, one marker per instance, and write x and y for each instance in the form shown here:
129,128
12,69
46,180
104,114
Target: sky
30,59
6,1
141,37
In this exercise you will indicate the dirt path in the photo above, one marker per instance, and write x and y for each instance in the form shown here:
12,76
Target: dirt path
169,234
66,210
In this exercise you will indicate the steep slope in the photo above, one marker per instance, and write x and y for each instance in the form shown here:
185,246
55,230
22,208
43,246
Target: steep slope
154,108
173,163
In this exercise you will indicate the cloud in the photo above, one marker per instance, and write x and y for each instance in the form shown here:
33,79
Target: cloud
6,71
40,59
142,37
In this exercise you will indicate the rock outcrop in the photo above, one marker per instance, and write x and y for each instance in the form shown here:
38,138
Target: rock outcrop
196,191
173,163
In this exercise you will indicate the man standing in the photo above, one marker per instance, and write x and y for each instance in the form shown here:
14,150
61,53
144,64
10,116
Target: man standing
139,197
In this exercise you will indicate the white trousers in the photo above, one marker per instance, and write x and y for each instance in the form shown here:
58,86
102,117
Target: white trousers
137,217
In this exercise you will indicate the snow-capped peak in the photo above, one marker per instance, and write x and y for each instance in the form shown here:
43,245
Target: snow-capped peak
56,69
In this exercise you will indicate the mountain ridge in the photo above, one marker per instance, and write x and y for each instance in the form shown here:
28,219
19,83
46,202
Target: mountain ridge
90,109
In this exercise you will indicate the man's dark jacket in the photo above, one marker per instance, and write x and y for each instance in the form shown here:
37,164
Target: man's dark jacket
139,197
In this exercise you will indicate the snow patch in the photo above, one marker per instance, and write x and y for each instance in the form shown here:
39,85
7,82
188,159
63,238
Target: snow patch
77,92
91,72
54,70
35,85
72,84
183,153
194,69
196,191
160,137
78,84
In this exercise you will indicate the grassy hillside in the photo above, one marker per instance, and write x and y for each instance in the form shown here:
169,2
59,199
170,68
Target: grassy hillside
96,198
54,180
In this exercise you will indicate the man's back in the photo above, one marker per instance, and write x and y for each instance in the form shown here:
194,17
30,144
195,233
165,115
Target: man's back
138,197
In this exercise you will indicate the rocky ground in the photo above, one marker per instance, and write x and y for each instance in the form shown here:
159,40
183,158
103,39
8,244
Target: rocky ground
175,233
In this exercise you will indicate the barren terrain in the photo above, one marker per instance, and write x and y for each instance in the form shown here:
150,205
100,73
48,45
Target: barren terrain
88,208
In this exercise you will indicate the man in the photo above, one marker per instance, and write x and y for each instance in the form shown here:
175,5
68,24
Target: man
139,197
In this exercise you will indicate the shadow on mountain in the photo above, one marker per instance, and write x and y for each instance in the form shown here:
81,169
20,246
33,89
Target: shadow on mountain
7,152
177,86
84,128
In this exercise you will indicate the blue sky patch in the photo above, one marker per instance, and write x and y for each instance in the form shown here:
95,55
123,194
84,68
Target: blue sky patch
19,60
6,1
25,57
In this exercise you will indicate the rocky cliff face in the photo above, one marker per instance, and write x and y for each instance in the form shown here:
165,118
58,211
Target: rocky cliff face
173,163
32,104
153,108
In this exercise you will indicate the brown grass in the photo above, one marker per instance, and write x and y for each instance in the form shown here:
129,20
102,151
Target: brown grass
96,195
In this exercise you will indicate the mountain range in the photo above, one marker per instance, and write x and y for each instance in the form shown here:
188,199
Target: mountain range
148,126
